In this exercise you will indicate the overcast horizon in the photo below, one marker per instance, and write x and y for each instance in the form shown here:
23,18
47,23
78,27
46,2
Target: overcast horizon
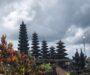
53,20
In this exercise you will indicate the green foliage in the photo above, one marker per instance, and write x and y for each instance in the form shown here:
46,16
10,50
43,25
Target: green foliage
82,60
76,59
79,60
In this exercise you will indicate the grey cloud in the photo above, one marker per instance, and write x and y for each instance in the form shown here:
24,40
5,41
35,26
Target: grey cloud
57,19
83,19
51,20
54,22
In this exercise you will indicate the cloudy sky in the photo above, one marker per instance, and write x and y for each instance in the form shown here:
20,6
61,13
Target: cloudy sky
53,20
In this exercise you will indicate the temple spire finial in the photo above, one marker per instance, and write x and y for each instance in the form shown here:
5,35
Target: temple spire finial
22,22
76,50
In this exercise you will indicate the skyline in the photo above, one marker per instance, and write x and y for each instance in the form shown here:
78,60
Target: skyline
53,20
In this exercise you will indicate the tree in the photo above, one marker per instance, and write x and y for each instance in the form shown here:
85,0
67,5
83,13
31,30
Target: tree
44,50
52,52
23,45
76,59
79,60
61,51
82,60
35,45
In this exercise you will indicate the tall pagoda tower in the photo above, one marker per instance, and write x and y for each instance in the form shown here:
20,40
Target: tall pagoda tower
23,45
